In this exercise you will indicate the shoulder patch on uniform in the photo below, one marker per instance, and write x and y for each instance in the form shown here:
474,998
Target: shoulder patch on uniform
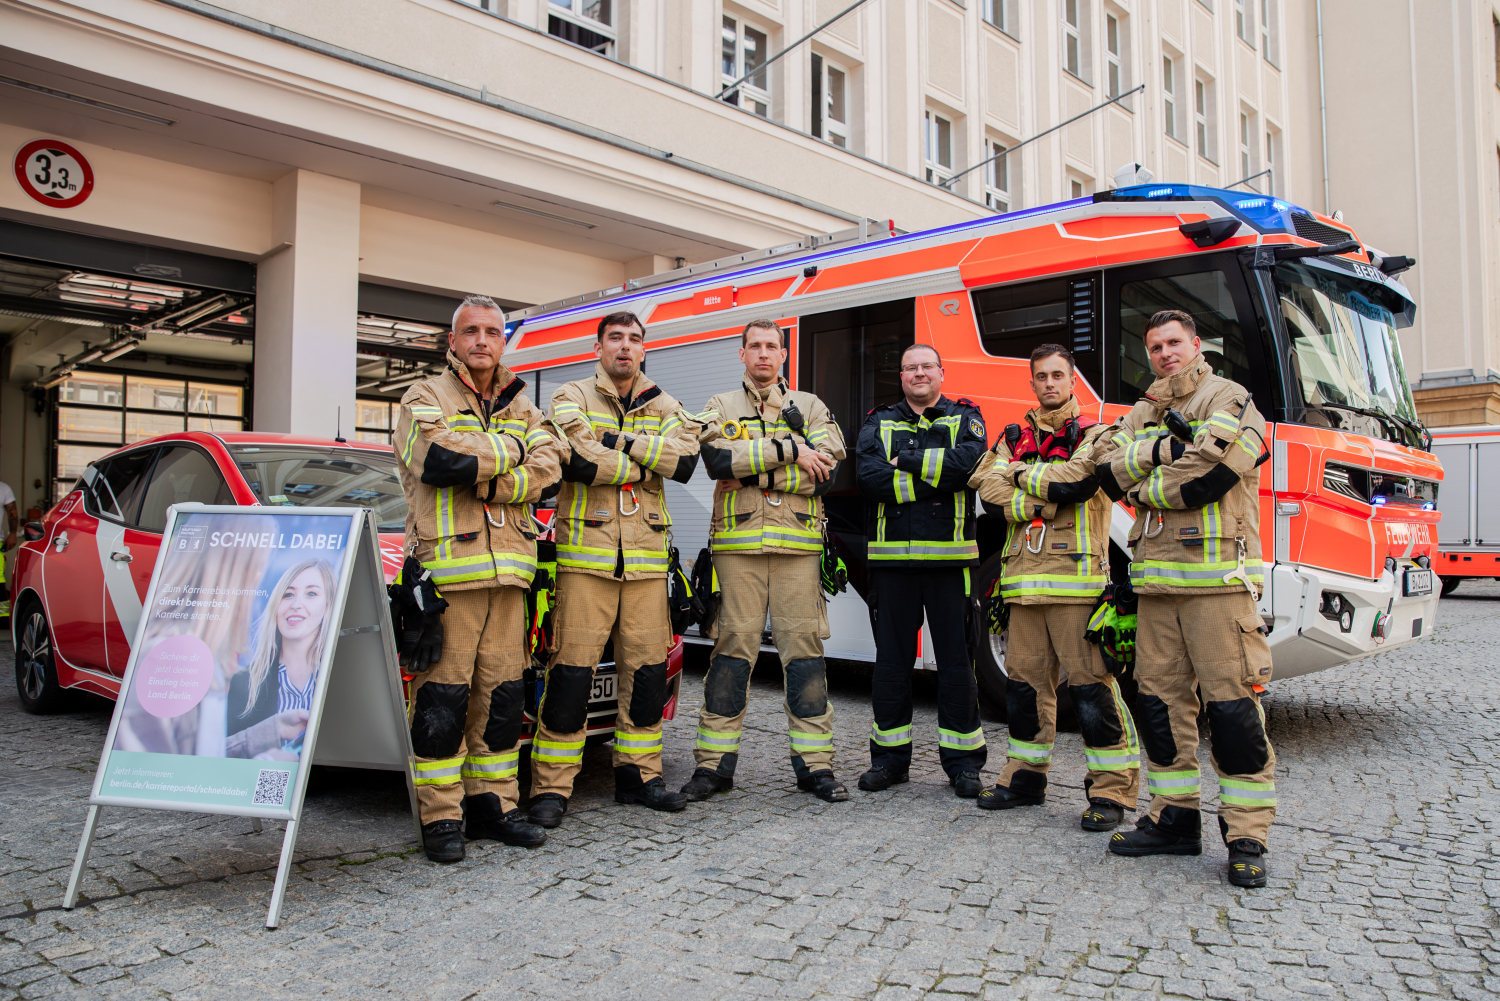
976,429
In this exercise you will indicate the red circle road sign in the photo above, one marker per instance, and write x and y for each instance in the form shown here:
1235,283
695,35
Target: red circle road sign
54,173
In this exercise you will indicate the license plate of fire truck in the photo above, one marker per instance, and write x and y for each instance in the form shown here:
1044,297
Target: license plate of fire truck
1417,582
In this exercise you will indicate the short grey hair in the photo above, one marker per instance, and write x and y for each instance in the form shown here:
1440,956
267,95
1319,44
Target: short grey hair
479,302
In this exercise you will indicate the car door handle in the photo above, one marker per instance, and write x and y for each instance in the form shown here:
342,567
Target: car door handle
120,557
61,542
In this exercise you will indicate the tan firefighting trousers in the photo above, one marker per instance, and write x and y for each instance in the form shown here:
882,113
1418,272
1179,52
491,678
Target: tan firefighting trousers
789,588
590,611
1212,643
1043,641
467,710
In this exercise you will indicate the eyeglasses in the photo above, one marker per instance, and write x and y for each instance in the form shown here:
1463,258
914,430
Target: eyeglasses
928,367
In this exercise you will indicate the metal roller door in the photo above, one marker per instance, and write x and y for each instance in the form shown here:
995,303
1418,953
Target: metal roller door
1453,495
693,373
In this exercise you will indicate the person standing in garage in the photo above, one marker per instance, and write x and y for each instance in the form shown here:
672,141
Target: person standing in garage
773,452
1040,477
474,454
1187,458
913,463
627,439
12,523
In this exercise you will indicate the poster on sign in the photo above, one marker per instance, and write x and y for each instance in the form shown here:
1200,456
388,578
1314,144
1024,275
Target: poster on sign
234,662
213,712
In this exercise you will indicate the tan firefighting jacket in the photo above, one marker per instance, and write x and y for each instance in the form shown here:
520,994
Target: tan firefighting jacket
778,508
470,480
1057,540
612,517
1197,505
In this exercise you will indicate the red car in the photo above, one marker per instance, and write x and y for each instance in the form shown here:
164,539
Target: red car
83,570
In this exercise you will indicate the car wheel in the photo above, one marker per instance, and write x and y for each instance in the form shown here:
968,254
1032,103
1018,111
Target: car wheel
36,672
1450,584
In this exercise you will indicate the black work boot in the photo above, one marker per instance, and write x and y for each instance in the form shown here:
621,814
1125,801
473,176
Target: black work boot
485,821
547,809
704,783
1025,789
878,778
653,794
1102,815
1178,832
824,785
966,785
1247,862
443,841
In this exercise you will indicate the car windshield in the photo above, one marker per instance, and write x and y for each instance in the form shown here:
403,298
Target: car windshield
1345,357
307,476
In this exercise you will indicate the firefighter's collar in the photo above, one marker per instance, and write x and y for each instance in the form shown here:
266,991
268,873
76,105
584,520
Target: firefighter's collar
506,384
1183,384
772,395
1054,420
642,391
941,407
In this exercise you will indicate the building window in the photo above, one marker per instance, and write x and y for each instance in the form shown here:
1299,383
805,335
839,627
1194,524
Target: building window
1169,90
1075,188
98,412
1002,14
1114,55
1203,115
830,102
1242,26
587,23
938,147
996,177
1268,30
1272,142
375,420
1245,147
1072,39
745,49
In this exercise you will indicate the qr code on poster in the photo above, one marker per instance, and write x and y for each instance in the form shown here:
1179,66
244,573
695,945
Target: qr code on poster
270,787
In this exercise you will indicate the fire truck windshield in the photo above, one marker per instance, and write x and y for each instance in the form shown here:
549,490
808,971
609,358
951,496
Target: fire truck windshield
1345,356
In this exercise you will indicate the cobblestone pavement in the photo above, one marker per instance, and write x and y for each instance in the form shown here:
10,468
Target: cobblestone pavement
1386,873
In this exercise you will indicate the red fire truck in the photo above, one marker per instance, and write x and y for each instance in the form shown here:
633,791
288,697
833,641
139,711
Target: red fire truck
1288,303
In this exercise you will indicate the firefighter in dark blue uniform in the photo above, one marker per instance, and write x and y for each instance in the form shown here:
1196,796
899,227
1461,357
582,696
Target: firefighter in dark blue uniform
914,459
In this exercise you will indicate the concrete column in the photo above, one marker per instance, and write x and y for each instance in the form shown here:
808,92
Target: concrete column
307,301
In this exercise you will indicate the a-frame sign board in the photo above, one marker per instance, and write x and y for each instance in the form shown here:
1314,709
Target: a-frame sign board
265,645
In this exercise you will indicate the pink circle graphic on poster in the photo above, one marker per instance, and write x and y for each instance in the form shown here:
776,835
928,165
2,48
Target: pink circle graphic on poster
174,676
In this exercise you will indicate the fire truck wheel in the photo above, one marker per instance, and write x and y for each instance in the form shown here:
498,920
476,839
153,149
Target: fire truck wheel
1450,584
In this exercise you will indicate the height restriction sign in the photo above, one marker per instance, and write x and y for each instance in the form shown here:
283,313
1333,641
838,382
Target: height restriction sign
54,173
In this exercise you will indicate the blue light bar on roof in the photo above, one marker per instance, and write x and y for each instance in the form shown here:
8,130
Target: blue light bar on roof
1261,211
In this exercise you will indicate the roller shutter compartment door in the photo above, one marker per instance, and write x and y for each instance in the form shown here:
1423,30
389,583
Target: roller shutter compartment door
1453,495
1486,494
693,373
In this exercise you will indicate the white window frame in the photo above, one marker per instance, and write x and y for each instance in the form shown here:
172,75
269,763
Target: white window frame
1072,36
932,153
1204,120
1269,31
748,95
1171,77
1247,143
1000,176
1002,14
824,125
1273,140
1116,55
1076,188
1242,23
572,11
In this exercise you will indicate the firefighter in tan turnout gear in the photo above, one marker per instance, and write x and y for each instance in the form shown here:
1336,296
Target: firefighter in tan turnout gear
627,437
773,452
1040,476
1186,458
475,454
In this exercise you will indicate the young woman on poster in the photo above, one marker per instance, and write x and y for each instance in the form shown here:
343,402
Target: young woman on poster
269,702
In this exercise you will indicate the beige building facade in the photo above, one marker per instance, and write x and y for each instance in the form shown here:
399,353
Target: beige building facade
288,197
1411,98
